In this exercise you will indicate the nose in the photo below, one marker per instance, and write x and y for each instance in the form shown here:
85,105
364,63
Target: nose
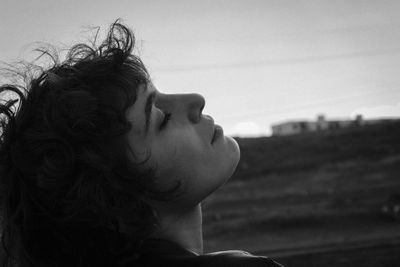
195,105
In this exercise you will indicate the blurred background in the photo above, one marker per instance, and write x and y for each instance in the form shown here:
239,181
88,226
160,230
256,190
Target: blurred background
310,89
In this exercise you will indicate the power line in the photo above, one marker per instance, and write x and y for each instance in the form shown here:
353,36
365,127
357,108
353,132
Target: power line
271,111
273,36
274,62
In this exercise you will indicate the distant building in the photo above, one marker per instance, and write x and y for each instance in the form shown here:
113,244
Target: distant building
321,124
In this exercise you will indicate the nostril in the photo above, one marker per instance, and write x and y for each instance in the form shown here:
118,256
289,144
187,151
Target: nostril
194,117
202,107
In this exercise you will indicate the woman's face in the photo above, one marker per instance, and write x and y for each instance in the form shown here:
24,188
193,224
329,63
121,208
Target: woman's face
180,145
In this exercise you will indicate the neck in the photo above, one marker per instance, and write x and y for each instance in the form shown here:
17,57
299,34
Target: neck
183,228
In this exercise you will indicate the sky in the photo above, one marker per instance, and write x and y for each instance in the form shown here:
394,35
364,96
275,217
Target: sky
256,62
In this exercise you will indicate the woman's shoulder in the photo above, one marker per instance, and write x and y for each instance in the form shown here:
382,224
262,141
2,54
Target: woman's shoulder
239,258
166,253
232,258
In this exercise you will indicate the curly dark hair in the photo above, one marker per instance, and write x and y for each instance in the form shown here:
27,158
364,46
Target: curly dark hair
69,194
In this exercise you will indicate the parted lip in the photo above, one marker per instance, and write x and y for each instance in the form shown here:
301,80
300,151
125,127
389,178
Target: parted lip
215,132
212,126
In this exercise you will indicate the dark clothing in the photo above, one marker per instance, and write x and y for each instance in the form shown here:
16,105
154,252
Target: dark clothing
157,252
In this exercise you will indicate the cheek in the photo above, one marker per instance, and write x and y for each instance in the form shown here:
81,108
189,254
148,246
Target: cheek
198,178
184,159
200,168
178,157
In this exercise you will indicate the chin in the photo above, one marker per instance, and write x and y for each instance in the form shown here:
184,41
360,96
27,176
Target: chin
232,156
235,151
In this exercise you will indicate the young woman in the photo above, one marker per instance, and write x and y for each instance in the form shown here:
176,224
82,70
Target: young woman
100,168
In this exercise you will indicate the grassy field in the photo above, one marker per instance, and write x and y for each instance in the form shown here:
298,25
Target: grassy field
312,199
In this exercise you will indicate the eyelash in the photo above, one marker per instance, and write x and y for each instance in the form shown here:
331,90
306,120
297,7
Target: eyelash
167,117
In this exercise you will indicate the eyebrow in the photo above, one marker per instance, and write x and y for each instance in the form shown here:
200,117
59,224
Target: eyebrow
147,110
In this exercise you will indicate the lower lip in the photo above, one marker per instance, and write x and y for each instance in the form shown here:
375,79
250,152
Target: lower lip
218,132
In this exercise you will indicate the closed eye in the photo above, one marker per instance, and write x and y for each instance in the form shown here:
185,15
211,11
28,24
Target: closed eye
167,117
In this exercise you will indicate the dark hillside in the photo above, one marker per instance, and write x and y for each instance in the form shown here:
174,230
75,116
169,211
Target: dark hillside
311,150
308,194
